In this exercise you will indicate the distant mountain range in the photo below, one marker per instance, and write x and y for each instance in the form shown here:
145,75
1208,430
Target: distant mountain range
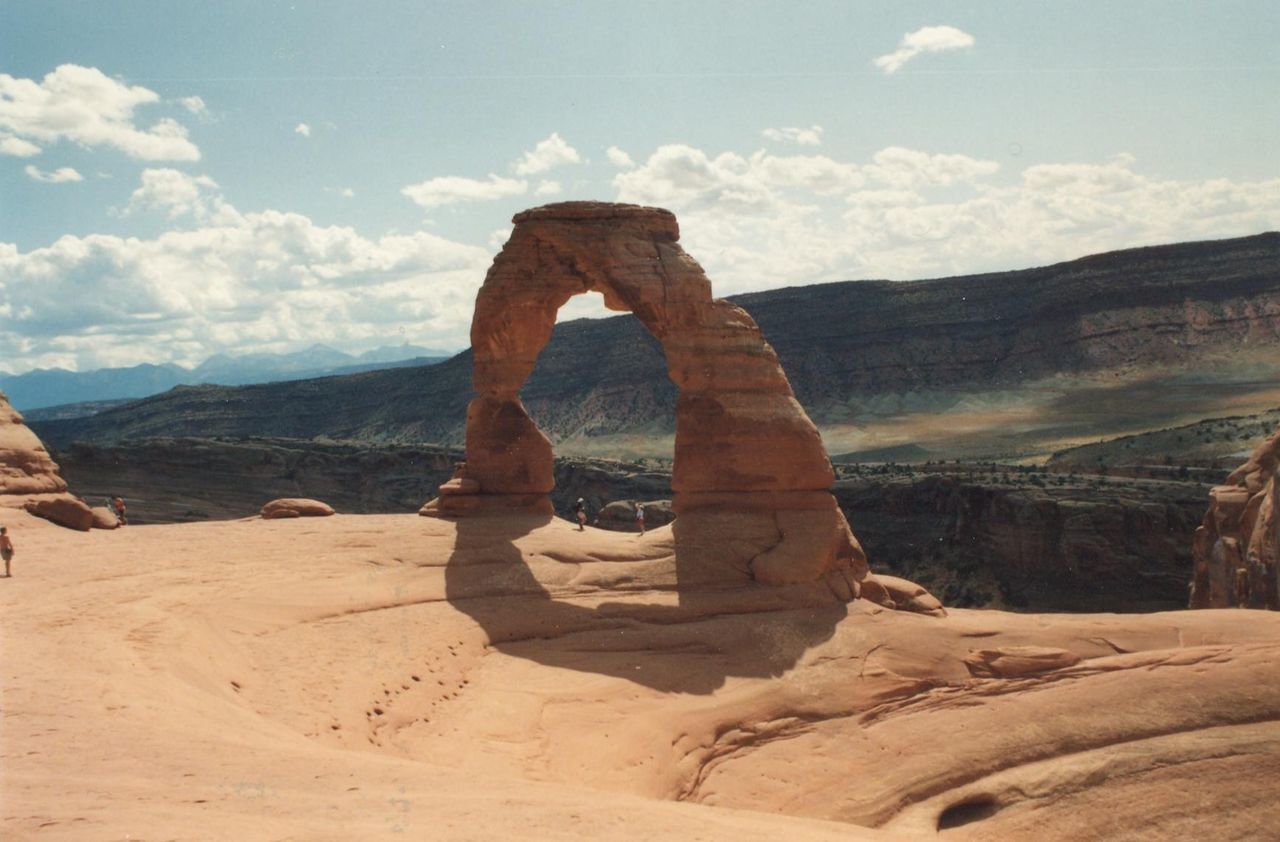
1002,364
53,387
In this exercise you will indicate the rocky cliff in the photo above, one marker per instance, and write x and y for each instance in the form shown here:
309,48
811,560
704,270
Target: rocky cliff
1029,541
847,348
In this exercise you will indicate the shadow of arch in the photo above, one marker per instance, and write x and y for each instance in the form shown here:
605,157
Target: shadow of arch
658,628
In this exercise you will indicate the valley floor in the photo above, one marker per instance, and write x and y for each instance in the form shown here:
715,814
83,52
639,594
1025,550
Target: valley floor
381,675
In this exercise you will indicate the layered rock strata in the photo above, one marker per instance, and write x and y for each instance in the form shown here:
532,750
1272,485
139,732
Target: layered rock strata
29,477
1236,550
744,446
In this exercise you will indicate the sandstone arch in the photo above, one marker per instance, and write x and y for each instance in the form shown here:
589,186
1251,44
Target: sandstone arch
744,445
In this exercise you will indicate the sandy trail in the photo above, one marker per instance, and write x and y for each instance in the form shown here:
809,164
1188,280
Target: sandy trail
374,676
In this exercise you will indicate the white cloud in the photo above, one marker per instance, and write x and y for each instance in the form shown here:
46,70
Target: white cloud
17,147
303,129
176,193
347,193
683,177
451,189
902,168
929,39
811,136
759,221
548,154
268,280
59,176
83,105
547,188
619,158
195,105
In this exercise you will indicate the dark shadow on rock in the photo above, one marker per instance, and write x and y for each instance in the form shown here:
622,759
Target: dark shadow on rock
721,625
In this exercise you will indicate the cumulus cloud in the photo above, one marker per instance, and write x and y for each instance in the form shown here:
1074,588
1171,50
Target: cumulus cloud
619,158
83,105
548,154
268,281
929,39
811,136
302,129
177,193
59,176
682,176
451,189
17,147
547,188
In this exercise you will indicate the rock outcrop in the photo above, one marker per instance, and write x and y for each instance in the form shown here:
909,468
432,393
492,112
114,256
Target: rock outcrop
744,446
29,477
290,507
1236,550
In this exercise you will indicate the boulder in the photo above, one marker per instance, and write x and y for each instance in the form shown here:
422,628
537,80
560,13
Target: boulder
894,592
288,507
104,518
62,509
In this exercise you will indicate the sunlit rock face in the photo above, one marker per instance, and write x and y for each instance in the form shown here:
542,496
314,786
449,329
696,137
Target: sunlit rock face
1237,547
744,446
29,477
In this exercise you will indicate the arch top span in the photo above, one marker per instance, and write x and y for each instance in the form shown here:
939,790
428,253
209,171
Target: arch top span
743,442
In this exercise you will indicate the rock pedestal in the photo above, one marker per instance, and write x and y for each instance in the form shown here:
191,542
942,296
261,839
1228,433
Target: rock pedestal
29,477
1236,549
744,445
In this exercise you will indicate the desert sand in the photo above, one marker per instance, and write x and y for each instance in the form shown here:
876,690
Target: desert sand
374,676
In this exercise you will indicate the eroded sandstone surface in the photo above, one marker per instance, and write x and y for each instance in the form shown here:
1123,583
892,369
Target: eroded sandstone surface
1236,550
392,677
750,472
29,477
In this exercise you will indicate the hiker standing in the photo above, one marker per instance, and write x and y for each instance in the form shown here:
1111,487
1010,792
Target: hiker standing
117,504
580,512
6,549
640,517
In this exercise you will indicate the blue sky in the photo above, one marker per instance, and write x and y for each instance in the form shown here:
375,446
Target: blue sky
181,179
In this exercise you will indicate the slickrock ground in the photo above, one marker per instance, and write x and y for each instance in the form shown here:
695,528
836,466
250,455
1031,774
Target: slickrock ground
375,676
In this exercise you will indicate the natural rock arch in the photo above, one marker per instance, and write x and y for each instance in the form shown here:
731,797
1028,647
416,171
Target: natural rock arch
744,445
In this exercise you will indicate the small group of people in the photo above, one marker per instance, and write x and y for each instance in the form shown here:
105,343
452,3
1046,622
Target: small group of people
580,514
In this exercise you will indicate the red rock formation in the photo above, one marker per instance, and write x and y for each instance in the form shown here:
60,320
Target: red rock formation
743,442
29,477
1236,550
289,507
